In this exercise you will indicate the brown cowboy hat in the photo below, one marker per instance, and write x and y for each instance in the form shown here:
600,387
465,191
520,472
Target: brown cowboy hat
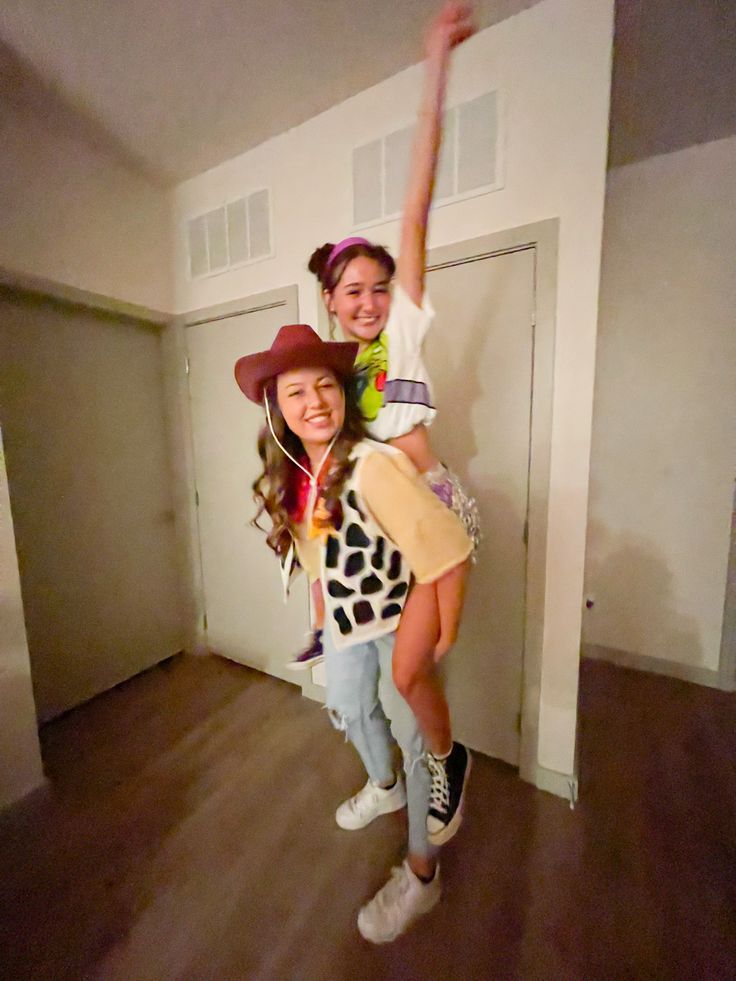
295,346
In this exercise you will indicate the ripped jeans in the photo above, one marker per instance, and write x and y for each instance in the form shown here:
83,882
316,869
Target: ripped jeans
362,698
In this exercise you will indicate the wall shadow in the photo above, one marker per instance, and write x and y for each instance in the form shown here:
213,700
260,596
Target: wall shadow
635,606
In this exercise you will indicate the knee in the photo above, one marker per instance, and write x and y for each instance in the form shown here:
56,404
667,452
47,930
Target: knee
407,677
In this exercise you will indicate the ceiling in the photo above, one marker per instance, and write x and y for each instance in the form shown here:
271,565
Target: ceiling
174,88
674,76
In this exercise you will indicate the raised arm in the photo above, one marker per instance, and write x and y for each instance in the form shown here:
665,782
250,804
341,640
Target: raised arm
450,27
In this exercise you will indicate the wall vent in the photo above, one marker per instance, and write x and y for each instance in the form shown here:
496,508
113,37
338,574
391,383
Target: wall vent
470,162
237,233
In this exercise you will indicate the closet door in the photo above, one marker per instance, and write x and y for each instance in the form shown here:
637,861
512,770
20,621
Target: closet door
479,352
246,617
82,410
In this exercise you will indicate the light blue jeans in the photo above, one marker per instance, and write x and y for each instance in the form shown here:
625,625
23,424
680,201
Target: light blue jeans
365,704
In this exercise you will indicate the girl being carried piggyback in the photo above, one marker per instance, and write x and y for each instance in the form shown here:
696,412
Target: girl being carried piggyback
388,318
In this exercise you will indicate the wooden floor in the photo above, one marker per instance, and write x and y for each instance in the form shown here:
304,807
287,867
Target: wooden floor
187,835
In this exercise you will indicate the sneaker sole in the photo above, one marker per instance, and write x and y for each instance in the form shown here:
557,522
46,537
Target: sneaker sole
447,833
395,806
303,665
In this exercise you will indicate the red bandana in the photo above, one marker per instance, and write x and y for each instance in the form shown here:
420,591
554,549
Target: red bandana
298,498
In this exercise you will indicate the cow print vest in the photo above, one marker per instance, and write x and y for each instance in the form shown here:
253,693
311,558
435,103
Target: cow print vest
365,579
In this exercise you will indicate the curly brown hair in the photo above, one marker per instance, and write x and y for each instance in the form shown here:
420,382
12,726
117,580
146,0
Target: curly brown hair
274,487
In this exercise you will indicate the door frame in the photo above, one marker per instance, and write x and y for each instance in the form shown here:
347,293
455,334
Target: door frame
542,238
727,659
182,439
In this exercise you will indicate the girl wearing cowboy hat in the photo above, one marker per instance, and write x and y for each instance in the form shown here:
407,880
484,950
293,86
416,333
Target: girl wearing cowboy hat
395,398
366,526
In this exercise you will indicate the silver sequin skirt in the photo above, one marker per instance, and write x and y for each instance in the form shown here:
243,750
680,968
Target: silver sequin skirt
446,485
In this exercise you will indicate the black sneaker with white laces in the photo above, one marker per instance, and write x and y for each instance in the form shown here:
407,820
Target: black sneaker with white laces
449,777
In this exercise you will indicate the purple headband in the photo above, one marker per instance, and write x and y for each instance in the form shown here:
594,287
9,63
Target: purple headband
341,246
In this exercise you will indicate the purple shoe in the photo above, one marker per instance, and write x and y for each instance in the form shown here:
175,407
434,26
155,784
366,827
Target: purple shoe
311,655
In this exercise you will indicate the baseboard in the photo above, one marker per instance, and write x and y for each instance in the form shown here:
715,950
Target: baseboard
311,687
563,785
23,797
655,665
318,676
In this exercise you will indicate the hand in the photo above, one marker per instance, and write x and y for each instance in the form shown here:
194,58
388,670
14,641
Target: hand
453,25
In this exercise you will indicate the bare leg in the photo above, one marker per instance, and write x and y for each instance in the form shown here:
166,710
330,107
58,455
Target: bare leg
450,598
318,606
415,670
420,643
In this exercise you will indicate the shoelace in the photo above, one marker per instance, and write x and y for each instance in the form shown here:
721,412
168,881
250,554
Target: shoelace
439,795
364,800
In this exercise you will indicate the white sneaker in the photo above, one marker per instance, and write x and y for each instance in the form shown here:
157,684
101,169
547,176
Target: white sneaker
369,803
398,904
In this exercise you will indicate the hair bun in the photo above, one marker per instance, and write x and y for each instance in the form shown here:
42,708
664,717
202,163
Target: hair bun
318,260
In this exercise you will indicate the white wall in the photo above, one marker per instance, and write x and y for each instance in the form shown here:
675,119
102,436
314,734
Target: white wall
553,64
20,755
664,440
72,214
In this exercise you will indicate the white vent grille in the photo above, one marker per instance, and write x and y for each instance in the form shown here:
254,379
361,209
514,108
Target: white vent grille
217,239
469,162
236,233
477,129
259,224
397,150
197,239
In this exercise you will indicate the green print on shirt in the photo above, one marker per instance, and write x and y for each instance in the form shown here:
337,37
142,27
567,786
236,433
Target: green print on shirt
371,366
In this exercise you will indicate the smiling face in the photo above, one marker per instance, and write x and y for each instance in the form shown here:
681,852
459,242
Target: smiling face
361,300
312,403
